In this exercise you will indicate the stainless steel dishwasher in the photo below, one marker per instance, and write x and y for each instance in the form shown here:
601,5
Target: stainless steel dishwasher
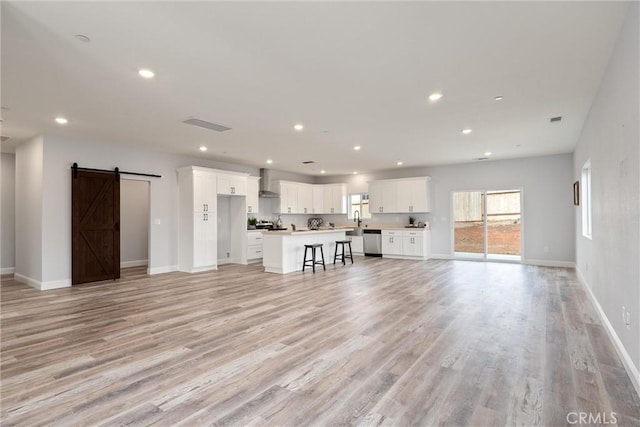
372,242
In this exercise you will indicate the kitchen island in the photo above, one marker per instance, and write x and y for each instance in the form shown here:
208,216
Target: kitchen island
283,250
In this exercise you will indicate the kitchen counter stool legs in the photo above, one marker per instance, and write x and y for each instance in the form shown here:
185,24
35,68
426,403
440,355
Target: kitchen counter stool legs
312,262
342,256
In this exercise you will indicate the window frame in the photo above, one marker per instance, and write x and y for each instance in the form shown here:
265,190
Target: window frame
363,196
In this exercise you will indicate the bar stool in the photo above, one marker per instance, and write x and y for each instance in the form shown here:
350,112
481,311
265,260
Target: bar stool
313,261
341,256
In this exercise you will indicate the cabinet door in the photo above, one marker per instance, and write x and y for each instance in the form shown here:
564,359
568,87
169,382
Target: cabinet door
318,199
357,244
418,195
288,198
410,246
403,197
392,243
204,192
339,198
305,199
389,196
252,195
204,239
327,198
232,185
375,197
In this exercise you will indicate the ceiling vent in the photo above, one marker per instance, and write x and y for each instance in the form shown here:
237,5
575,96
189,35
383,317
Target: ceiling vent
555,119
207,125
5,138
481,158
308,162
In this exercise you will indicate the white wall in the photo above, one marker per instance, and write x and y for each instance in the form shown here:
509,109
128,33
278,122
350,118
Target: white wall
610,262
61,153
7,215
548,213
29,213
134,222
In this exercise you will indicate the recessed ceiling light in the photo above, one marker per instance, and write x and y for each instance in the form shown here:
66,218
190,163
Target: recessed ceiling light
466,131
298,126
61,121
357,148
203,148
269,161
355,173
499,98
322,171
399,163
435,97
83,38
147,74
488,153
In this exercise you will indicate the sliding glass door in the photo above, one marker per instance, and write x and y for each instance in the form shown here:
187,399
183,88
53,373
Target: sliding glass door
487,225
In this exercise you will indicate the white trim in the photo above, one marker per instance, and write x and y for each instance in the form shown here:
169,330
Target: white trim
42,286
7,270
440,256
162,270
629,366
137,263
413,258
549,263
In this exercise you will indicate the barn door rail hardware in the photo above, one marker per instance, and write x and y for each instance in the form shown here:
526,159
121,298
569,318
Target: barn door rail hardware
76,168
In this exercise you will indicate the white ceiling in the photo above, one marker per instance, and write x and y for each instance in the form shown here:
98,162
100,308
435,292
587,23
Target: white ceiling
354,73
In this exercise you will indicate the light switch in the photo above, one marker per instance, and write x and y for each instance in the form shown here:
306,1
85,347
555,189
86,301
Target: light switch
156,221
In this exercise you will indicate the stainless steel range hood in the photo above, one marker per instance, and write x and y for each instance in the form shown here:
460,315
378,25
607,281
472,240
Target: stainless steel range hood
265,185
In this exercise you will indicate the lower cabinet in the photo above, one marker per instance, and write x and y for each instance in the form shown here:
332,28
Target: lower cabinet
254,246
391,242
406,244
357,244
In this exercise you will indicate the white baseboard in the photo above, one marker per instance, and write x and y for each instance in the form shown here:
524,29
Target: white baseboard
162,270
549,263
137,263
7,270
629,366
440,256
42,286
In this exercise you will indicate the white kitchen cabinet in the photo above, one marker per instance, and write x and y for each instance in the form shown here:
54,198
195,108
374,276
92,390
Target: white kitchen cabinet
288,197
391,242
232,185
254,246
412,195
407,244
357,244
334,198
413,244
383,196
408,195
305,199
318,199
197,195
253,188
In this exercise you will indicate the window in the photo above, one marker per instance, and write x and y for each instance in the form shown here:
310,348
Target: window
359,202
585,190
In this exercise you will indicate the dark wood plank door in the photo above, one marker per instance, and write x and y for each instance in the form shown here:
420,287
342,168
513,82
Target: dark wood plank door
95,207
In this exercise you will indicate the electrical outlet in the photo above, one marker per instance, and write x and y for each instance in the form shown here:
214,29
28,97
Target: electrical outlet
545,249
228,254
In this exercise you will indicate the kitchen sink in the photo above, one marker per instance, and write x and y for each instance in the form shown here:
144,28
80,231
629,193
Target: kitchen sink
355,232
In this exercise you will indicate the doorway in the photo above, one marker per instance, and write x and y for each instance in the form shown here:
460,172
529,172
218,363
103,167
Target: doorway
487,225
134,226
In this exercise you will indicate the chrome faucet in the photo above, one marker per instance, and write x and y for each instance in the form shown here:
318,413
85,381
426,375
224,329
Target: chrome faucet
356,217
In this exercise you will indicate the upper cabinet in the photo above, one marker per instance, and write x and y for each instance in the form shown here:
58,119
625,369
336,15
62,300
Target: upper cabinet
253,187
301,198
334,198
409,195
232,185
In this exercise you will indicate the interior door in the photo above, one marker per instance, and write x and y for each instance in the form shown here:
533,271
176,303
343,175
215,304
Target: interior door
95,223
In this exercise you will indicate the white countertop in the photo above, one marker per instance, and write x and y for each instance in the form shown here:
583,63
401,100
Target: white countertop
305,232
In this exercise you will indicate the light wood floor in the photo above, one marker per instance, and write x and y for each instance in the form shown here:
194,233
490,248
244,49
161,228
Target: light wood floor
380,342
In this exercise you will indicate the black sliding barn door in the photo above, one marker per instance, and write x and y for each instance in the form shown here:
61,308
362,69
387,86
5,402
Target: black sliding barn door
95,207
